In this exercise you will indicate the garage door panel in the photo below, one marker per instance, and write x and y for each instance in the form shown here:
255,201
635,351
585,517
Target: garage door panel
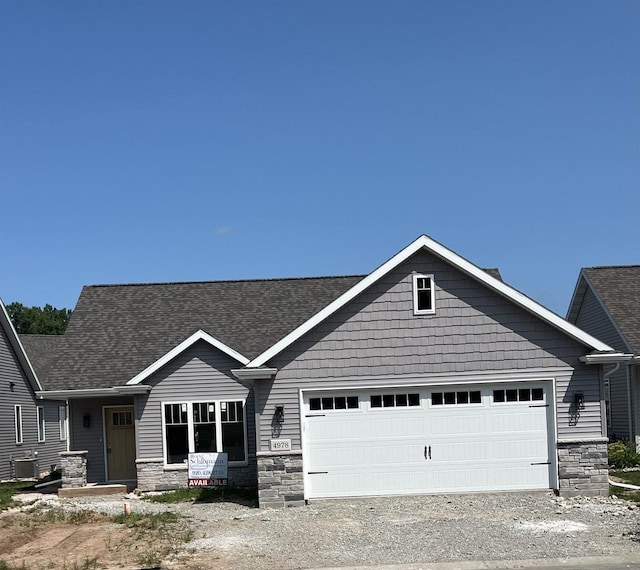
443,424
452,446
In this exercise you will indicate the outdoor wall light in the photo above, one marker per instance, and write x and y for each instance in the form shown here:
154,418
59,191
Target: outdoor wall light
578,400
86,420
12,385
279,414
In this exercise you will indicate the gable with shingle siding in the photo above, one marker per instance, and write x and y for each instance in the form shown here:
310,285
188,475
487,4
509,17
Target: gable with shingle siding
376,338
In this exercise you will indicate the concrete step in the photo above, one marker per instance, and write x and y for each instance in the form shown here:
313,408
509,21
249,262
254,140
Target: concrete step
92,491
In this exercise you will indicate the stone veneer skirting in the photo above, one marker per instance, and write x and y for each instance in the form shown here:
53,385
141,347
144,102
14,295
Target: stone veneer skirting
280,481
583,468
154,476
74,469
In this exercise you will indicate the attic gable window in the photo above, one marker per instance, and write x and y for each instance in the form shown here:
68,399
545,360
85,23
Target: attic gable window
423,295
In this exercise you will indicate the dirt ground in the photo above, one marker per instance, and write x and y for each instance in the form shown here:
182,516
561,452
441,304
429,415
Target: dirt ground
86,541
92,534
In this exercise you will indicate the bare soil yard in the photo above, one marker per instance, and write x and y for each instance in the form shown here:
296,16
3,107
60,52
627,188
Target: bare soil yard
90,533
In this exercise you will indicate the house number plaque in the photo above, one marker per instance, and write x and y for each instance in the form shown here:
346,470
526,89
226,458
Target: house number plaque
280,445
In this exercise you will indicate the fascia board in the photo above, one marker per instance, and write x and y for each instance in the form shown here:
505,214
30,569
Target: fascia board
254,373
184,345
14,339
609,358
457,261
91,392
578,291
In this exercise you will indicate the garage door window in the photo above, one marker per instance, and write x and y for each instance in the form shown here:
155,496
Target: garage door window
394,400
334,403
518,395
456,398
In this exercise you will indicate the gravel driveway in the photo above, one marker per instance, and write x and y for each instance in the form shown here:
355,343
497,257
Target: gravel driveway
401,530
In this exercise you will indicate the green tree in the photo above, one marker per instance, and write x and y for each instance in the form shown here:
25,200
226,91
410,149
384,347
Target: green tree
38,320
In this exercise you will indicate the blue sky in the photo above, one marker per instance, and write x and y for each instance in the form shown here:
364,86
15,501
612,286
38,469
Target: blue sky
150,141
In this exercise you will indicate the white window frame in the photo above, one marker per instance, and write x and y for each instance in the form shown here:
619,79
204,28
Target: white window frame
416,310
191,432
17,423
42,433
62,422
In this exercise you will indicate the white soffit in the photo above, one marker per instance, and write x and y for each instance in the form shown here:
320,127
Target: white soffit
425,242
195,337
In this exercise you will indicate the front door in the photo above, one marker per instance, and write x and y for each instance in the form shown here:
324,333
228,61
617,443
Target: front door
121,443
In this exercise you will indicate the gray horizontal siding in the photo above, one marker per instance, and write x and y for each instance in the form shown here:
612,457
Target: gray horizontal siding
91,439
201,373
593,319
377,339
22,394
619,404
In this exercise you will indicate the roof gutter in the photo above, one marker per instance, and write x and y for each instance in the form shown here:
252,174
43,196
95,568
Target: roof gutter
92,393
606,358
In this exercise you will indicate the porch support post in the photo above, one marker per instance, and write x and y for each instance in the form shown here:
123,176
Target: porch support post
74,469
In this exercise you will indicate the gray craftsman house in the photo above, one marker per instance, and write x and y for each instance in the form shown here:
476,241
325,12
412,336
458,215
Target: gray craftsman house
32,432
428,375
606,303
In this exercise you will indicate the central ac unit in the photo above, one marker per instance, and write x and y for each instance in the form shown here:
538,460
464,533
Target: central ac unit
26,468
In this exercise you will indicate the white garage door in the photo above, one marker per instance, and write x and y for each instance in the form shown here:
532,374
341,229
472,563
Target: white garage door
426,440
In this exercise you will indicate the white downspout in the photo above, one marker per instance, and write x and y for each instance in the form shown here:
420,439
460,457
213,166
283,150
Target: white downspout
605,378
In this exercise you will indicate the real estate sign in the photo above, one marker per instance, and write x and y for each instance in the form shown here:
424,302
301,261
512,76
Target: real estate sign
207,469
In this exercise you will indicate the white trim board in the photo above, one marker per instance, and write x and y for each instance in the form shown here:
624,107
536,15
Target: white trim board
432,246
184,345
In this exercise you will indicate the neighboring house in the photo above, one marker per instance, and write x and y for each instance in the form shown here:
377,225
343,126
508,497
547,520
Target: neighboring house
427,375
606,304
31,435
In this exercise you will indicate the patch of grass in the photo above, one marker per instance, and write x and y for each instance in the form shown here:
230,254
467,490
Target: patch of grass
630,477
148,522
622,493
7,490
246,495
6,566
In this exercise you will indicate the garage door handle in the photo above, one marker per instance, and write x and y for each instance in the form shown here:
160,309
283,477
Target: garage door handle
429,452
425,452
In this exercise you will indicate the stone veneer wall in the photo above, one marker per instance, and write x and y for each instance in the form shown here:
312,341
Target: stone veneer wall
280,482
154,476
583,468
74,468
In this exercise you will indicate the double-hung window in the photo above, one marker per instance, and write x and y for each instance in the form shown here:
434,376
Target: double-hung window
213,426
423,295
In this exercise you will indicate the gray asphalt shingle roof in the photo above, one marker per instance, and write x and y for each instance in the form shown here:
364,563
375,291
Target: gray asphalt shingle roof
116,331
42,350
619,289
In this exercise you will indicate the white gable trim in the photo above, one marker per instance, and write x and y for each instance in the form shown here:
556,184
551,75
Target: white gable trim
425,242
184,345
21,353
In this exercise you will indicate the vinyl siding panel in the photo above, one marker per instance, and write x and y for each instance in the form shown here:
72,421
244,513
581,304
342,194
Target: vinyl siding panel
22,394
91,439
475,333
593,319
619,404
201,373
